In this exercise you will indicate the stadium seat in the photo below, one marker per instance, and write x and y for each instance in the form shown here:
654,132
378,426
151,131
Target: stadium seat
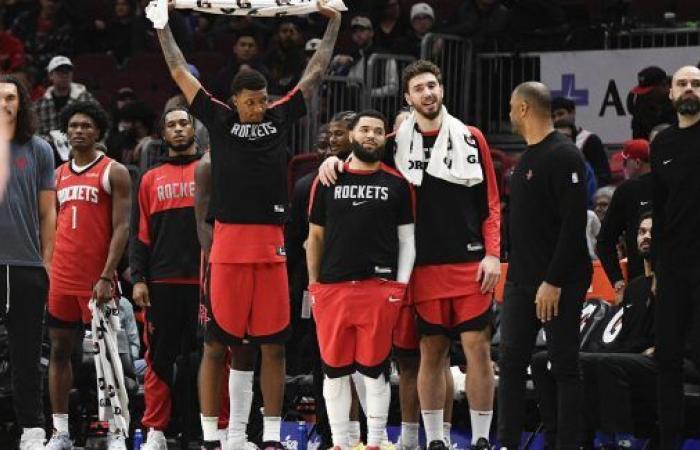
90,68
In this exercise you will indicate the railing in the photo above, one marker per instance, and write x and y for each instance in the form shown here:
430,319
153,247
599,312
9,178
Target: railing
654,38
453,55
384,89
496,76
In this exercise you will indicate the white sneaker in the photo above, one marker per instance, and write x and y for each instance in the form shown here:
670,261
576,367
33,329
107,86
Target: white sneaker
32,439
155,440
59,441
401,446
116,441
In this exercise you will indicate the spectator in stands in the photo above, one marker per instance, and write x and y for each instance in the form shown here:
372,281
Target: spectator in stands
479,20
354,64
391,26
124,34
568,129
135,125
12,55
284,59
245,56
422,21
62,92
601,201
648,102
589,143
45,32
623,374
630,200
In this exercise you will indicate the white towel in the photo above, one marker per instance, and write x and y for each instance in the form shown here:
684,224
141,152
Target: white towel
157,10
454,157
111,391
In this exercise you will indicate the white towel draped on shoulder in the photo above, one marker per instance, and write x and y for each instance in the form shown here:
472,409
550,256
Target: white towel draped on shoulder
454,157
157,10
111,391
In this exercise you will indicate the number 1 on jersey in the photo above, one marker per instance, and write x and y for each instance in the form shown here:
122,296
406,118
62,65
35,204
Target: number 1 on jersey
75,216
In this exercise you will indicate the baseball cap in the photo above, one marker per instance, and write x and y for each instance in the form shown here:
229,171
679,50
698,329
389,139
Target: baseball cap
58,61
635,149
649,77
422,9
361,22
312,44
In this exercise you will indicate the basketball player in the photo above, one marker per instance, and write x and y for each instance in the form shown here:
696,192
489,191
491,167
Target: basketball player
248,153
94,200
360,256
164,260
457,249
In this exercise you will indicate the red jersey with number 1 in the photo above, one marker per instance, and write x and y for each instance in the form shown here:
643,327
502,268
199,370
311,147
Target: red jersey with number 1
84,226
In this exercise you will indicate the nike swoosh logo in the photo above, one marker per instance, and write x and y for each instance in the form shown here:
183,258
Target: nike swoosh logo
667,161
160,177
358,203
65,178
393,299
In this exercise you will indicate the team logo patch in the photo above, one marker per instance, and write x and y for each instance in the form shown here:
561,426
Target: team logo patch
278,208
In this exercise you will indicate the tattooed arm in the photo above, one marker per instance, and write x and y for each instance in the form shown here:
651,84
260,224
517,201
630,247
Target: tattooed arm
318,64
187,83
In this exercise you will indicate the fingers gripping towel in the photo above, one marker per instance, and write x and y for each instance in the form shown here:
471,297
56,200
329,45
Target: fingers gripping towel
111,392
454,157
157,10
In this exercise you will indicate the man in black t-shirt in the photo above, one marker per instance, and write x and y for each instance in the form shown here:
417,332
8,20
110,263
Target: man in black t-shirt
249,205
549,268
360,255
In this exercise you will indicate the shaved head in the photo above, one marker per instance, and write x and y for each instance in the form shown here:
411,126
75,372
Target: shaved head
686,71
685,91
536,95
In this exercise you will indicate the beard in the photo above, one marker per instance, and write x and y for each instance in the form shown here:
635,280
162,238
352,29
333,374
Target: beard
180,148
645,252
367,156
688,106
430,115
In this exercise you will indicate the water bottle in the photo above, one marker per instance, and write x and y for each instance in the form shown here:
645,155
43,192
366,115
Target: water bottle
301,429
137,440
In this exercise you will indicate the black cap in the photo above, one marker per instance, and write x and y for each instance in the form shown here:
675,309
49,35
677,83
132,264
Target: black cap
649,77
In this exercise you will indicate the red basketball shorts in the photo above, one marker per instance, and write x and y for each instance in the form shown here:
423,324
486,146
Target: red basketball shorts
406,340
68,311
248,301
355,322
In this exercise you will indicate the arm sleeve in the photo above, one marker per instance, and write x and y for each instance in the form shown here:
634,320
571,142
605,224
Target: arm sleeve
610,231
659,196
491,226
407,252
207,109
568,184
140,248
595,154
292,106
317,204
46,174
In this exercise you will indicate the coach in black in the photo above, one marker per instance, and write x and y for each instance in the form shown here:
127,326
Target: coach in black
549,271
675,158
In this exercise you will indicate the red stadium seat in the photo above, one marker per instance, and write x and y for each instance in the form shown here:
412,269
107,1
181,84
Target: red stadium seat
90,68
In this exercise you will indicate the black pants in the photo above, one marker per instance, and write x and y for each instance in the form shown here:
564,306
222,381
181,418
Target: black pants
519,327
615,385
27,289
171,331
677,329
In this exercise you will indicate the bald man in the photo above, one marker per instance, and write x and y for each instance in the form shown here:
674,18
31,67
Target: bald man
549,270
675,159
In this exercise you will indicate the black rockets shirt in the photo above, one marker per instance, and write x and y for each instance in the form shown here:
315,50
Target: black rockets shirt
360,214
249,160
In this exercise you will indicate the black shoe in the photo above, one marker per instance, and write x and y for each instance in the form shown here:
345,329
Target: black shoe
437,445
211,445
271,445
481,444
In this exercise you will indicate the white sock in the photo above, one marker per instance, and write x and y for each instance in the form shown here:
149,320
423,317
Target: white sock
157,434
336,392
432,421
60,423
354,432
210,429
481,424
446,428
240,392
378,400
271,429
409,433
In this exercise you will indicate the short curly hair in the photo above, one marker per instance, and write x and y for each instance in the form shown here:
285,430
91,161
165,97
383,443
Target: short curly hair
417,68
91,109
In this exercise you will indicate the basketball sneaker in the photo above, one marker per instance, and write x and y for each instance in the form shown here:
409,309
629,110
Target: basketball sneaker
155,440
59,441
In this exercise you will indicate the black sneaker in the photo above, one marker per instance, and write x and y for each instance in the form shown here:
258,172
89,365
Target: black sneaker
437,445
211,445
481,444
271,445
